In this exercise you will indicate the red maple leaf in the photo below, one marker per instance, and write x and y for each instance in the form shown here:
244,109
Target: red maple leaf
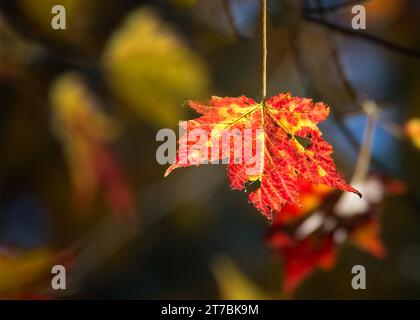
319,250
309,238
302,257
269,146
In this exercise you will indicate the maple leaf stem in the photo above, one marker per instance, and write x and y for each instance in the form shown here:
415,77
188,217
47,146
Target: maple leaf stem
264,49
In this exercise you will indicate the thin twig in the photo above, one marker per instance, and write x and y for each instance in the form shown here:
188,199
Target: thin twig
364,156
310,89
348,86
380,42
332,8
392,128
264,49
230,18
335,56
363,160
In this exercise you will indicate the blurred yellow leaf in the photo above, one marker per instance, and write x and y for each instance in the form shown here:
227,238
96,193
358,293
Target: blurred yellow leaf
412,129
20,270
86,132
76,110
233,284
151,70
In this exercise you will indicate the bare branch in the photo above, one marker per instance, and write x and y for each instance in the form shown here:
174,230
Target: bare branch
231,18
364,158
380,42
332,8
310,90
